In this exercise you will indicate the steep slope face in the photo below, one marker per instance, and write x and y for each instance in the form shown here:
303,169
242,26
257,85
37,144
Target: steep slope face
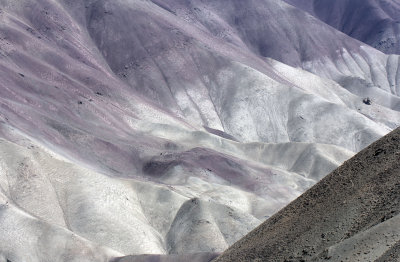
206,91
352,214
134,127
375,23
197,74
298,39
59,99
201,257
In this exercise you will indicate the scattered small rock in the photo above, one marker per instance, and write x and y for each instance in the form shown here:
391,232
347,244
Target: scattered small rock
379,151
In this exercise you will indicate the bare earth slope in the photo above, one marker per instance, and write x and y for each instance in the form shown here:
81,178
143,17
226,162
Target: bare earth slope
141,127
352,214
277,30
200,257
376,23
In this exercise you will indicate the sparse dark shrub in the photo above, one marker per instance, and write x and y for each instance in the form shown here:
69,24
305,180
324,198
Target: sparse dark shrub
367,101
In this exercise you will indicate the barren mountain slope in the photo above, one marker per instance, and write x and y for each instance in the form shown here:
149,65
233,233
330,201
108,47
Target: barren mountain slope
200,257
277,30
131,127
182,63
352,214
376,23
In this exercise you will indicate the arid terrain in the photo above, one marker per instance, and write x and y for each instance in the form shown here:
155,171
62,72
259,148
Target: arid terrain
350,215
166,130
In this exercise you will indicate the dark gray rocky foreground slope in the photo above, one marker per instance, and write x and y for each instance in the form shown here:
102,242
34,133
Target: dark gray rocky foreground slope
392,255
351,215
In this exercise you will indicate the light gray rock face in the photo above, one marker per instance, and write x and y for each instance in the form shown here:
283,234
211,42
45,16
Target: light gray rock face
172,127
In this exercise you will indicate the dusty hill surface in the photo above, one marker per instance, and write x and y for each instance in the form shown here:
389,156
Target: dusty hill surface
200,257
172,127
351,215
376,23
